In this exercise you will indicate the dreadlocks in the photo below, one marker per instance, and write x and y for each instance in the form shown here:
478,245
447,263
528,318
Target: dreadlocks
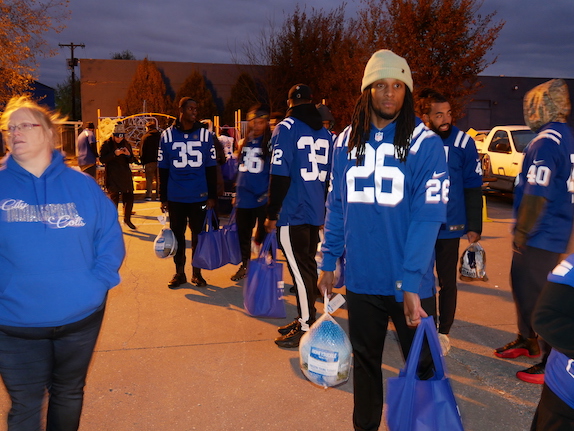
361,125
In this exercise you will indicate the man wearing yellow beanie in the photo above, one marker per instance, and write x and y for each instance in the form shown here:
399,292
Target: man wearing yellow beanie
388,200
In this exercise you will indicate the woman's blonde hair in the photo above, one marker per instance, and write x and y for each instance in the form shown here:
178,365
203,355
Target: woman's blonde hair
48,119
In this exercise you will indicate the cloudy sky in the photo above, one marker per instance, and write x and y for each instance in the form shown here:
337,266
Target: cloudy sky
537,40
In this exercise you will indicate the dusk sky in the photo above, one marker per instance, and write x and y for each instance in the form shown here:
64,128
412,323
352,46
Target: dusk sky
537,40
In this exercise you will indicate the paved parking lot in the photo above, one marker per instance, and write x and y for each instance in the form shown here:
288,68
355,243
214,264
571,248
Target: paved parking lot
192,359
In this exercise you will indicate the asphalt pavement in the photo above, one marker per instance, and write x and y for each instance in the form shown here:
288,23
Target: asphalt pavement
192,359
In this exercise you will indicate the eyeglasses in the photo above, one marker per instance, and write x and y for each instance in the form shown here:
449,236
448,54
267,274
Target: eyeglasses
23,127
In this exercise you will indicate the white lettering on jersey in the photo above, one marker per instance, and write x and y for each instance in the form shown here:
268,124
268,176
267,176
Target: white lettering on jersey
252,161
277,156
188,154
318,154
374,163
539,175
478,168
437,191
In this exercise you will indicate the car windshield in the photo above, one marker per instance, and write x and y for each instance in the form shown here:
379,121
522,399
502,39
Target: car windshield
521,139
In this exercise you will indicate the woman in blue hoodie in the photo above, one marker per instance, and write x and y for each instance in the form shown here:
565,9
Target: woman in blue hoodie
61,248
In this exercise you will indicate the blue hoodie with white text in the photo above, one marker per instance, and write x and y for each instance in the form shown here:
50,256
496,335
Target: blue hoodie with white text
61,245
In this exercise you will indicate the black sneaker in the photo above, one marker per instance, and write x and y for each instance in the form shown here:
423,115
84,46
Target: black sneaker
284,330
534,374
177,280
240,274
292,339
198,280
519,347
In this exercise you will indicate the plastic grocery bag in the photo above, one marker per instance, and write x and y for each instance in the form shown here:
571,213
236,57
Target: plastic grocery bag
473,263
263,290
165,244
211,250
325,352
422,405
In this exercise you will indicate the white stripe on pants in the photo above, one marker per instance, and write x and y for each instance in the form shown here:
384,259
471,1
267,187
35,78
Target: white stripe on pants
299,245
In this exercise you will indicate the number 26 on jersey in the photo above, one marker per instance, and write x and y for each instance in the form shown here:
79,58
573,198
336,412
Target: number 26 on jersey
436,187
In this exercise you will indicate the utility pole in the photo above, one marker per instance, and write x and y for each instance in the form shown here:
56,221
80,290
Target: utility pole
72,63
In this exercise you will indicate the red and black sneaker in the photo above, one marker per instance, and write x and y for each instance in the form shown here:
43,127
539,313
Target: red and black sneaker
519,347
534,374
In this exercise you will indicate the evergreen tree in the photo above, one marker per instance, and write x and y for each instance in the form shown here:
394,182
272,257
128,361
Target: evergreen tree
195,87
147,91
244,94
64,97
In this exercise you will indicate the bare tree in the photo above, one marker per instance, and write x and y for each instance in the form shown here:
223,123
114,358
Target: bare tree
22,27
444,41
318,48
126,54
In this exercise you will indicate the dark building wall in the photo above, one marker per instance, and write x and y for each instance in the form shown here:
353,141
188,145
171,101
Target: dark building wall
499,102
104,83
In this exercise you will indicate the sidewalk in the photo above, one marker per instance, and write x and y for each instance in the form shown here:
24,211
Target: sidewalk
192,359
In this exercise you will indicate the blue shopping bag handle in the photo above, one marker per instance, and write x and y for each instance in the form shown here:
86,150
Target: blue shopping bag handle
270,242
427,326
208,221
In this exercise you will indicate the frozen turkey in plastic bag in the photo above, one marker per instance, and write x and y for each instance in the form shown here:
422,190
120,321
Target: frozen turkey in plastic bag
325,353
165,244
473,263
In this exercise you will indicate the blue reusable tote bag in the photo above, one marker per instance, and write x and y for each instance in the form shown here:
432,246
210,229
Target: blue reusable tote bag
211,250
422,405
229,170
231,237
263,291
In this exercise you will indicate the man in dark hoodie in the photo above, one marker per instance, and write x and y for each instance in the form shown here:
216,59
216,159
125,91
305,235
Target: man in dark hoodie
188,182
299,170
